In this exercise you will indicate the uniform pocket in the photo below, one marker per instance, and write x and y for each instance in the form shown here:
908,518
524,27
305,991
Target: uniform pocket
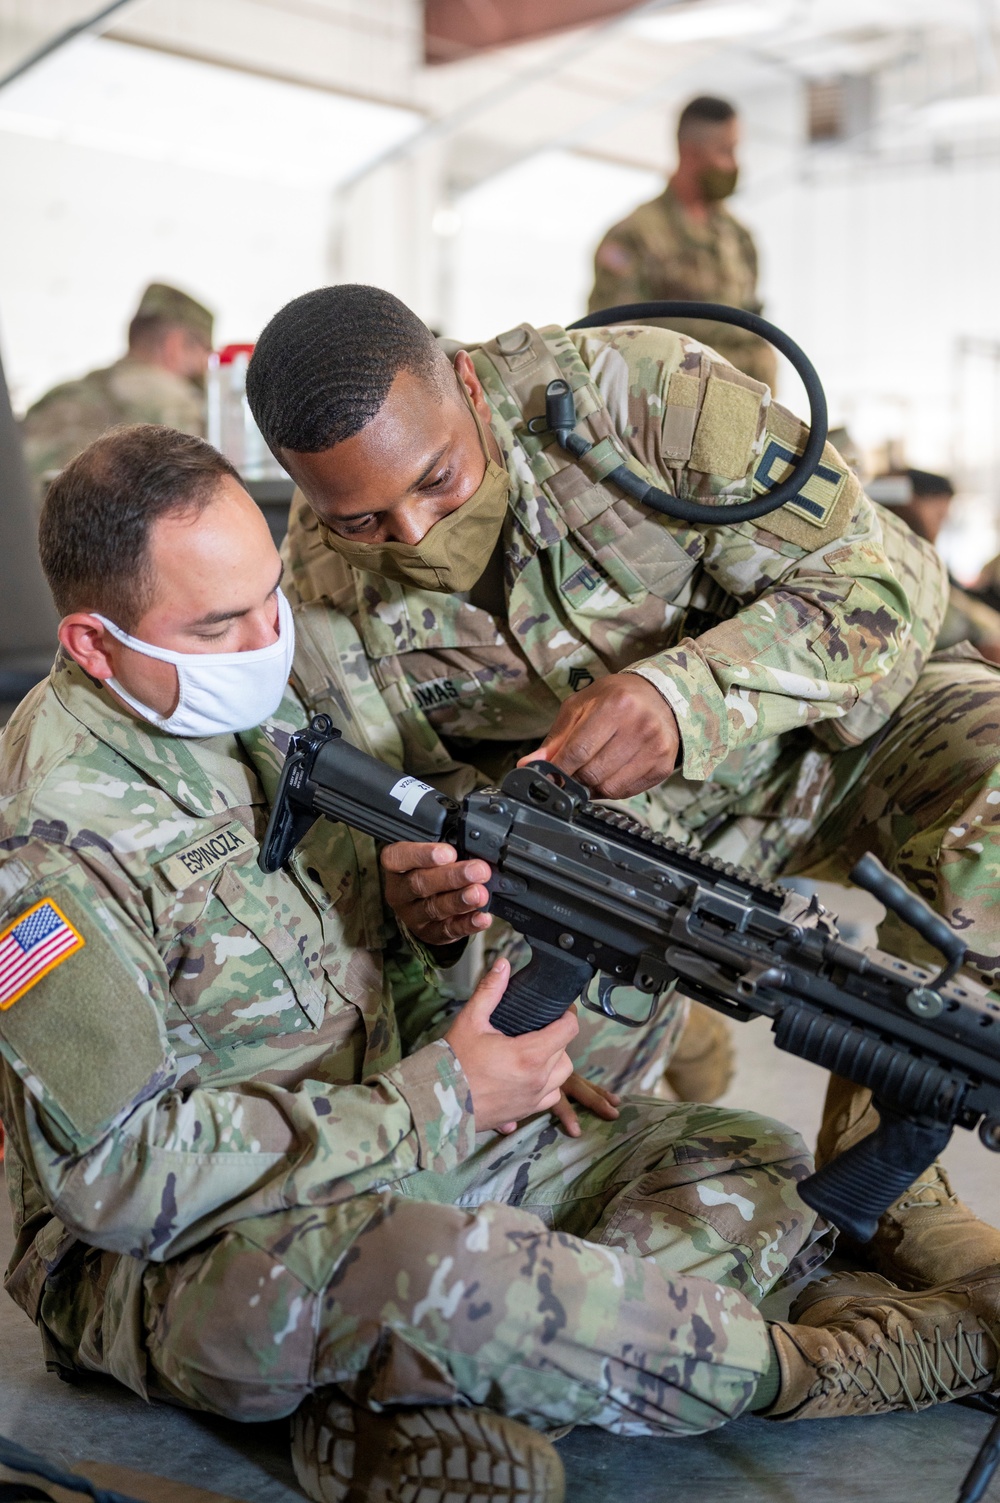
238,972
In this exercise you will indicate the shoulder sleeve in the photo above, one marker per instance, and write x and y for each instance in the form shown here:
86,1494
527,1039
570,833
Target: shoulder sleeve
126,1160
817,619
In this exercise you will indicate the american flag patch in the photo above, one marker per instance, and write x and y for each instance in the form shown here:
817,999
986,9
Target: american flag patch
35,944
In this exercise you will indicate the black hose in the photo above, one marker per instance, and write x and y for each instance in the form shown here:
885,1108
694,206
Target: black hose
804,468
979,1475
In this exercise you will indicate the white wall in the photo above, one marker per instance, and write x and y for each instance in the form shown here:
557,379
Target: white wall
120,166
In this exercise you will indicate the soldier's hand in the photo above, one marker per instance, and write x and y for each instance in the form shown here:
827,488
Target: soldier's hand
619,736
596,1098
509,1078
438,897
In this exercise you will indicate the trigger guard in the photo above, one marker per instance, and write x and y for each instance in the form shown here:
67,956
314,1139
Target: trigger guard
604,1009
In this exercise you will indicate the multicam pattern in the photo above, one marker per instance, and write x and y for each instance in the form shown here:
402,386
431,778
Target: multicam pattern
609,1280
749,631
659,252
228,1185
72,415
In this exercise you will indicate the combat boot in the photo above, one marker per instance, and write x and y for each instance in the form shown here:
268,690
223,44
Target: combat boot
927,1237
701,1066
855,1344
343,1453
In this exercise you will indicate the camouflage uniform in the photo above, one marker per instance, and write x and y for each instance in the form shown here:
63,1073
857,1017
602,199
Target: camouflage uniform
70,416
230,1189
660,252
787,647
969,620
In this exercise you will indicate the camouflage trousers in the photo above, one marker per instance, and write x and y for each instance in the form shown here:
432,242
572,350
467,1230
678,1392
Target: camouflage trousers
608,1280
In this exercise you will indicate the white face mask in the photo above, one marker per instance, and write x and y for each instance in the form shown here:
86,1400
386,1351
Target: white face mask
219,691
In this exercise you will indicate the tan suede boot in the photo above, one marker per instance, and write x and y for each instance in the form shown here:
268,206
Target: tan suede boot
345,1454
701,1066
928,1237
855,1344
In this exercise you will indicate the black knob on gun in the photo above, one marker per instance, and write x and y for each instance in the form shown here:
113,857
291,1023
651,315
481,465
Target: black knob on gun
870,874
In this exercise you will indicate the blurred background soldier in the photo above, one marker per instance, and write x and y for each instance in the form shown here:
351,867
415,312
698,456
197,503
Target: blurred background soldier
686,244
160,380
923,501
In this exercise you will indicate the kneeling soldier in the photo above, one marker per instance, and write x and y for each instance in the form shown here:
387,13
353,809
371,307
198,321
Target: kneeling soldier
230,1189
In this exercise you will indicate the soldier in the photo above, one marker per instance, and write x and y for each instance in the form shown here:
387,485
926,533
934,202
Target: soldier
761,689
923,500
230,1189
160,380
686,244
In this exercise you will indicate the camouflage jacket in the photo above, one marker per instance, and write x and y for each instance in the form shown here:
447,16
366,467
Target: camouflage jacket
69,417
968,619
660,252
184,1041
819,615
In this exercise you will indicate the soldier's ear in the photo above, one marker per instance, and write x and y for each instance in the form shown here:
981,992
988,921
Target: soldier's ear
88,643
466,373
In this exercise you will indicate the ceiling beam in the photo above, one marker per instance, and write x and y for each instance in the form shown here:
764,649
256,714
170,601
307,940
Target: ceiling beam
455,29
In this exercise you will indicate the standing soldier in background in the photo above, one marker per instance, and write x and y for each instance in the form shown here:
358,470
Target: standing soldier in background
686,244
160,380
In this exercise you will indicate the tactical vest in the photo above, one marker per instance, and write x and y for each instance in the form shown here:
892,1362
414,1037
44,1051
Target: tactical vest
625,580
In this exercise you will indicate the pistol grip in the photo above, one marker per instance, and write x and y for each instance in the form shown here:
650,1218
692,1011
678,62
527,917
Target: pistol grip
855,1188
542,991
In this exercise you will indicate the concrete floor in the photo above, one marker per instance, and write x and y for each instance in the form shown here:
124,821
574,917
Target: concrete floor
894,1459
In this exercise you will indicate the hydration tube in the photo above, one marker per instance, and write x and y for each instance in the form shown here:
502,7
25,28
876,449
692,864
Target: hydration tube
560,415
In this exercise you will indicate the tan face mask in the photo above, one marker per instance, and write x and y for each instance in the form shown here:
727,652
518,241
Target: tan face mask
718,183
452,555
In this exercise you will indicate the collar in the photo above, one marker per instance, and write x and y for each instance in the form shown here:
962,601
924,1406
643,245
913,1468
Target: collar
698,233
170,762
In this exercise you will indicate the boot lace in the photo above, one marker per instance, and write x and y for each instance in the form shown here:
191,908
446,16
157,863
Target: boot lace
918,1366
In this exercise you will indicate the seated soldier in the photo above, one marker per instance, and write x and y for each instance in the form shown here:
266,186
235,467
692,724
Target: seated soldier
762,689
231,1191
923,500
161,379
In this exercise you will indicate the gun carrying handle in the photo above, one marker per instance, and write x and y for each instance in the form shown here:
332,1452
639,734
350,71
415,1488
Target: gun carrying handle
541,992
855,1188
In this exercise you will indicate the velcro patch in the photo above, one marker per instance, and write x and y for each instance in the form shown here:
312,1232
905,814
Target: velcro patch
204,856
814,505
726,429
90,1033
817,498
33,945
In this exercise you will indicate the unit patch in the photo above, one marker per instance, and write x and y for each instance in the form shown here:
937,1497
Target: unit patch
204,856
34,944
817,498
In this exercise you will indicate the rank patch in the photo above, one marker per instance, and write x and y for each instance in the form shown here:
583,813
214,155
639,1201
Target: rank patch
35,944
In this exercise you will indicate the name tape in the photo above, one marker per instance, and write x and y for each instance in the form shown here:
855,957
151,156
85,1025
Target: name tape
205,855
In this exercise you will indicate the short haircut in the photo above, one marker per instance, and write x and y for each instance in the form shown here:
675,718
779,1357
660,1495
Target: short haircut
147,329
324,364
926,483
705,110
93,537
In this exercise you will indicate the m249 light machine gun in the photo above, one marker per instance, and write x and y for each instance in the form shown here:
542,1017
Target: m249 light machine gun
593,890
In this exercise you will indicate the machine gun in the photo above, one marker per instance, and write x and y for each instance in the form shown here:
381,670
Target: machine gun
592,890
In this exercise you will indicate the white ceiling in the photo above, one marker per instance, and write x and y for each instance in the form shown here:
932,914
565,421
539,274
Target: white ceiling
602,90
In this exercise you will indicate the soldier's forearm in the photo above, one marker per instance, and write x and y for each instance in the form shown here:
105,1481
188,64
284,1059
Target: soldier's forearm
180,1167
804,652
